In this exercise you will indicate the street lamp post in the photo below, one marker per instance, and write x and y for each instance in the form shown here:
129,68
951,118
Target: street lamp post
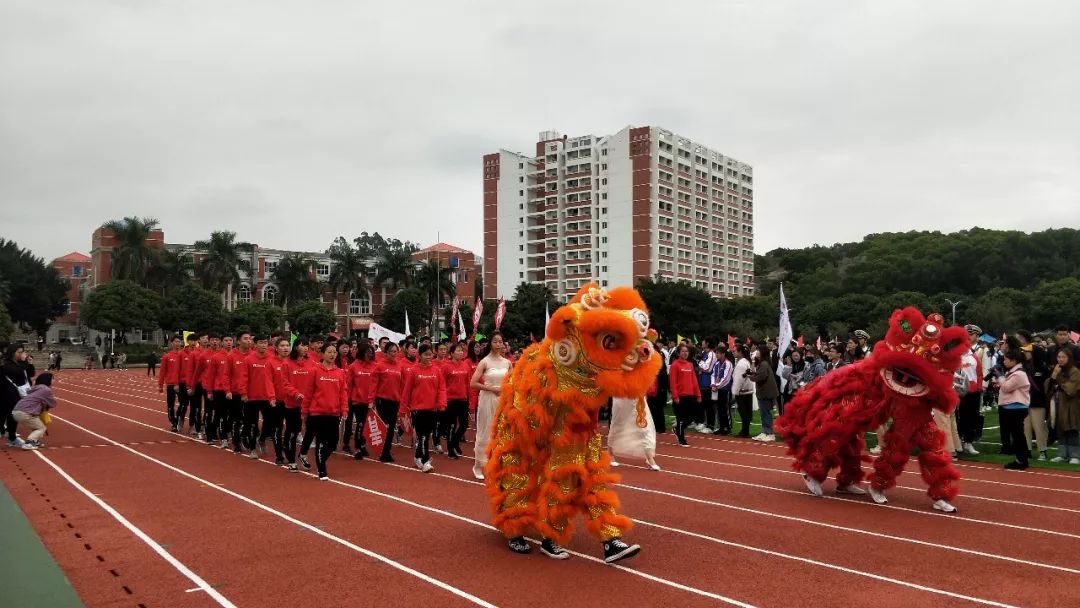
954,305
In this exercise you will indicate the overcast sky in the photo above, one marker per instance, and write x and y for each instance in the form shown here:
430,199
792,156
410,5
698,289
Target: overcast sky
293,122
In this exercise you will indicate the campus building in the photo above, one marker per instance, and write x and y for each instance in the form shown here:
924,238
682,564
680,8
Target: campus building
615,209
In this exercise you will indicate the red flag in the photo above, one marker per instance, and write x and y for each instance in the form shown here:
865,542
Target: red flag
731,343
453,315
500,313
476,316
799,342
1075,336
374,431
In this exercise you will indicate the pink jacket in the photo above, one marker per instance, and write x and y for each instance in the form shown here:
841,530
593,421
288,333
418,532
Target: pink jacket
1016,388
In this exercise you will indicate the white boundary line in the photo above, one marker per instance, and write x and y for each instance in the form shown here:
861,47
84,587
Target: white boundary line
341,541
663,581
175,563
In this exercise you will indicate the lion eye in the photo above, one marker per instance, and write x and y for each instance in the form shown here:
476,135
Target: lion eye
609,342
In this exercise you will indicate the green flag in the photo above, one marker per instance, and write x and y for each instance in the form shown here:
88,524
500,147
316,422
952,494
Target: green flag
292,339
443,336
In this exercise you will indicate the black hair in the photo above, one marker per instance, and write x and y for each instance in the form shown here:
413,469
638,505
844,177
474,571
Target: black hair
193,337
279,340
213,335
362,351
1061,328
457,346
9,352
389,344
294,353
1025,334
1015,355
45,379
260,337
176,337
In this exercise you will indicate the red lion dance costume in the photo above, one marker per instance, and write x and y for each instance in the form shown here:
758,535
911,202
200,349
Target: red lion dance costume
546,461
909,374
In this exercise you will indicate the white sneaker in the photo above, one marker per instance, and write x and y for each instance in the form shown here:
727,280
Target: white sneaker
1074,461
254,455
812,484
876,450
417,462
970,449
16,443
878,496
944,506
758,437
1057,459
1042,456
654,467
427,467
613,463
30,445
850,489
479,477
769,438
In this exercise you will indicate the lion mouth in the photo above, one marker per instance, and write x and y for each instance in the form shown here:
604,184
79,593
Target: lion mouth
904,382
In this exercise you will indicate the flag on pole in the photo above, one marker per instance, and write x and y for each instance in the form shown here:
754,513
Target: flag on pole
696,341
784,339
1075,336
407,332
453,315
547,317
461,328
799,342
731,343
500,313
443,336
679,339
292,339
819,345
479,310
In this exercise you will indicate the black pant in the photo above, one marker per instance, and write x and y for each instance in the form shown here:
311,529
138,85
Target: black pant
170,403
1012,427
388,411
217,417
656,409
265,431
195,414
745,405
968,417
250,430
723,412
457,422
684,415
271,428
708,409
357,414
423,426
287,445
325,430
151,369
236,421
182,399
9,420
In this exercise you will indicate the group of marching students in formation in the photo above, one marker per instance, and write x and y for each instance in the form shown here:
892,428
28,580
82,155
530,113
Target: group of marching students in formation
243,391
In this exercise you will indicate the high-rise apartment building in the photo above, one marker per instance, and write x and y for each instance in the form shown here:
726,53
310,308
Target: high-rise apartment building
615,209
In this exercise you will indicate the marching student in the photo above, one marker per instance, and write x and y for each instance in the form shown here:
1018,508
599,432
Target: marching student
315,345
223,410
441,357
299,386
389,379
685,391
237,359
424,399
255,384
344,355
361,380
456,375
170,377
206,372
328,402
188,363
271,430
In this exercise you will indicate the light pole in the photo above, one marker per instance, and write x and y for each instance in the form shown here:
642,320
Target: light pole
954,305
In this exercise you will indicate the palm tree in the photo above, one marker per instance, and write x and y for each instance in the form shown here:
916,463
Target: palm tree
293,279
435,281
348,273
132,257
394,267
220,269
170,269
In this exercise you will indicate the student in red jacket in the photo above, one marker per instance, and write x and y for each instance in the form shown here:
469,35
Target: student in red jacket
328,403
299,386
236,359
389,380
685,393
188,363
170,377
278,353
361,381
255,383
202,407
457,373
221,363
424,398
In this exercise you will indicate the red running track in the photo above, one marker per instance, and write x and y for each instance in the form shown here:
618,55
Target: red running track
136,515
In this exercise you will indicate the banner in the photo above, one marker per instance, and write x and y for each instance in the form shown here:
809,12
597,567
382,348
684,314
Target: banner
500,313
783,342
376,331
374,432
479,310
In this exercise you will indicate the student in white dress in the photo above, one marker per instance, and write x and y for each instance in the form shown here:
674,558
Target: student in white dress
488,379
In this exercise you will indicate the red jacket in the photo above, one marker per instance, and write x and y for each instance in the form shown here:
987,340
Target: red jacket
237,359
389,379
424,389
207,371
684,380
280,380
315,356
188,363
361,381
170,369
222,365
331,395
457,376
256,378
299,380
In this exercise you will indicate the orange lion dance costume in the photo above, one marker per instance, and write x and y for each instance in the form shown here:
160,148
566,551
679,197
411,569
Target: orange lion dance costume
546,461
909,374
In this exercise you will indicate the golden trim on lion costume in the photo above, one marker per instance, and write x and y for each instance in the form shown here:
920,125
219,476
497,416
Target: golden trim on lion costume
546,461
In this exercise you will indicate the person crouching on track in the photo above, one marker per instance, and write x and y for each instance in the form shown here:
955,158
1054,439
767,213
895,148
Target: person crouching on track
299,387
389,379
328,403
255,383
424,397
361,378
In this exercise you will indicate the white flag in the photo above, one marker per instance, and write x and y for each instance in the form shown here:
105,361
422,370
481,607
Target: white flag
783,342
461,328
407,332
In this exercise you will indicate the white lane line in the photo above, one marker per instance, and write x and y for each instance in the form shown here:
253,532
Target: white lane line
175,563
341,541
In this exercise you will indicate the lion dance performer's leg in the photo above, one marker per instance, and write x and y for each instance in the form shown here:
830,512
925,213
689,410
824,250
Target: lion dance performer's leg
850,456
897,444
935,464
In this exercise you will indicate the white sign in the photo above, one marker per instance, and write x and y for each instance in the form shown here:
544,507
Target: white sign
376,331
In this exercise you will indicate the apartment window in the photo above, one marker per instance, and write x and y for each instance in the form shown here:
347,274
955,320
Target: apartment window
322,271
360,304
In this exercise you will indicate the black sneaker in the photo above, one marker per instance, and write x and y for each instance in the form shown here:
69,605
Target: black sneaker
615,550
280,462
552,549
389,459
1016,466
358,455
518,544
304,462
173,428
362,451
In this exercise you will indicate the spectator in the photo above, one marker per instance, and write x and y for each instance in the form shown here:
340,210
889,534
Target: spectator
152,363
1063,341
1064,387
685,391
794,371
742,387
657,401
836,357
705,417
814,368
968,416
767,392
852,352
30,408
1014,399
864,342
721,386
1038,373
14,386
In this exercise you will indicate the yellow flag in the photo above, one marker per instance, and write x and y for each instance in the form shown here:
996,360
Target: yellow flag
679,339
185,335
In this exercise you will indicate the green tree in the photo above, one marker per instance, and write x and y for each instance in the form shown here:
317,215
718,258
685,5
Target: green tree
1055,303
258,317
395,268
999,310
374,245
412,300
310,318
120,306
294,279
169,270
677,307
133,258
525,313
192,308
33,292
7,327
348,273
219,270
